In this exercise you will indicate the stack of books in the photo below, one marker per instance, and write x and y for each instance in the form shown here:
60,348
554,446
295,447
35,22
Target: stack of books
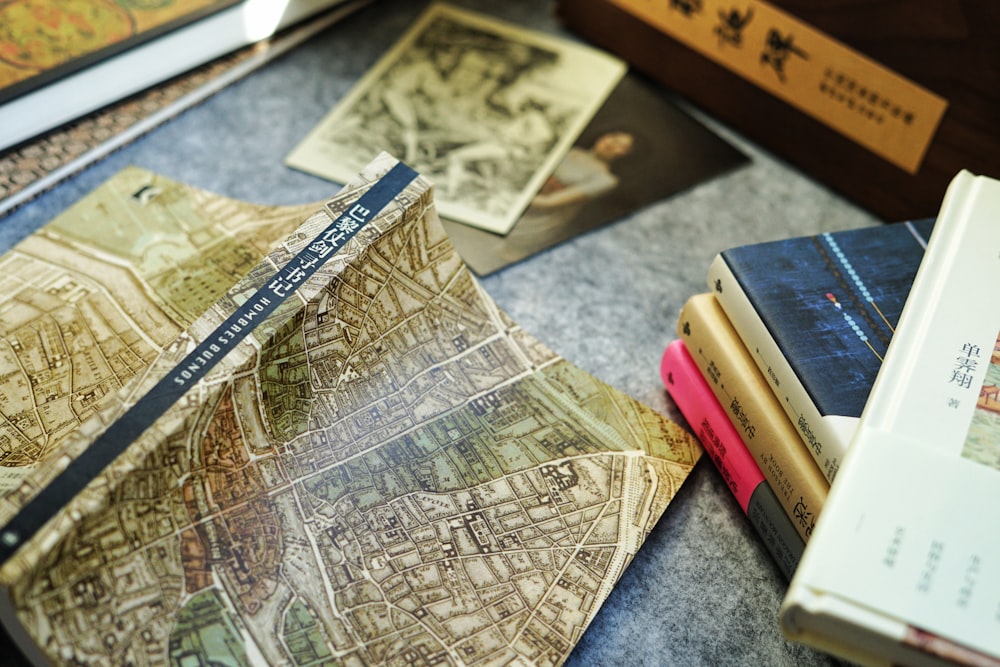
864,466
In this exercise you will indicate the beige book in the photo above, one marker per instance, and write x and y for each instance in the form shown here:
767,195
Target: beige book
754,410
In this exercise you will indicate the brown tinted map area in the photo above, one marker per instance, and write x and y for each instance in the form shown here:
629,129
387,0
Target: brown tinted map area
391,472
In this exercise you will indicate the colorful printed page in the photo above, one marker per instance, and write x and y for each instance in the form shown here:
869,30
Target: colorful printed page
485,108
42,40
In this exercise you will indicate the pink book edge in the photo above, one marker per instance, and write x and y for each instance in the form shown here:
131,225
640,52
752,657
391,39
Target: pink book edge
722,442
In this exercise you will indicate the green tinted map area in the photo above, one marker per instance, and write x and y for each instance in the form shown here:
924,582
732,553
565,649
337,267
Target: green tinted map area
90,299
395,473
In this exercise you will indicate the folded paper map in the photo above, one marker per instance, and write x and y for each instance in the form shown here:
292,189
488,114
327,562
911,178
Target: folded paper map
350,456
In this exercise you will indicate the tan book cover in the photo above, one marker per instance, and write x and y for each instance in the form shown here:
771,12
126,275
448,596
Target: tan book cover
754,410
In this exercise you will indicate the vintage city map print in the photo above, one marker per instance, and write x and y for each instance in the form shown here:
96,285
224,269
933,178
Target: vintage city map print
41,40
483,108
386,471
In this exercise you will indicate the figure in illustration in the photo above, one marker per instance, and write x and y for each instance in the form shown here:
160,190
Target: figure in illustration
585,173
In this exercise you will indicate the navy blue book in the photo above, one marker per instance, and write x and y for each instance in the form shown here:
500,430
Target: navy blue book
817,314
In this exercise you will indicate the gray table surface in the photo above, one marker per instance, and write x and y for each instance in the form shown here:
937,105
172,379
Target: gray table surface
702,590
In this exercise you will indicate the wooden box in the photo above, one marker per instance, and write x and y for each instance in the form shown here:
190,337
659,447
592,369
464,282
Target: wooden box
883,100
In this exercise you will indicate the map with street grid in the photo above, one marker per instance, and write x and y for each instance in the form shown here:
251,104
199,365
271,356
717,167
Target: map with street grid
388,470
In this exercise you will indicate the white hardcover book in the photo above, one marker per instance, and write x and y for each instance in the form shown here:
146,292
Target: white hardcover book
135,69
904,564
